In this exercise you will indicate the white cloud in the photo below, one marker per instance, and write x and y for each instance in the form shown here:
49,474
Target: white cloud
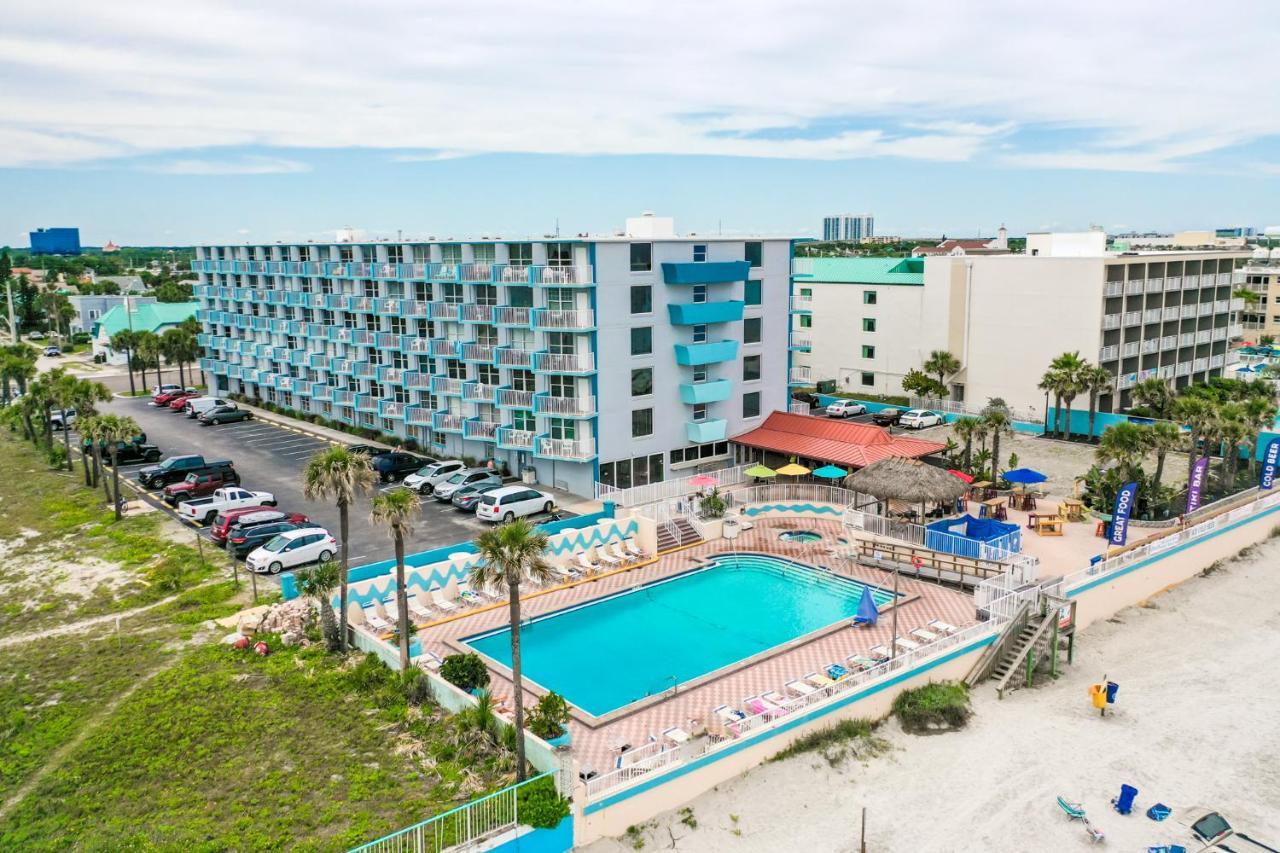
237,166
921,79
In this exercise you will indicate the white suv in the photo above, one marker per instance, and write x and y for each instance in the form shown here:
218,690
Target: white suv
845,409
426,478
293,548
506,504
920,418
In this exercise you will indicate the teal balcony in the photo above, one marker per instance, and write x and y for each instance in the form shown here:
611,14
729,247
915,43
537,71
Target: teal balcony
706,392
699,313
709,430
712,272
692,355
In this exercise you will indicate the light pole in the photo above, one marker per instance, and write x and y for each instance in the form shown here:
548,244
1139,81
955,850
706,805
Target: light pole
13,327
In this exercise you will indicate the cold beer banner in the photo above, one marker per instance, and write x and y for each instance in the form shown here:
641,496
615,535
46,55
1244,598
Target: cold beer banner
1196,486
1269,462
1120,513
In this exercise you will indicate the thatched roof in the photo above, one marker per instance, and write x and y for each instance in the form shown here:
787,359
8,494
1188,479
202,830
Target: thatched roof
906,480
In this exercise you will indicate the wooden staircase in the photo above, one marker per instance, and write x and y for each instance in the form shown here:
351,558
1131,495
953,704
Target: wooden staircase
1029,641
676,533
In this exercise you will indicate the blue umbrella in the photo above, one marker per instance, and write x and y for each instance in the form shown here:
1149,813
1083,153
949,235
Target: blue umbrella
867,612
830,472
1025,476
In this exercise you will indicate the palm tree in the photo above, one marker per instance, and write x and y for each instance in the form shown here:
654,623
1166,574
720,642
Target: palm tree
180,347
1051,383
83,395
997,422
395,510
1095,379
1068,366
17,365
114,430
1156,395
942,364
1162,437
124,341
965,429
508,553
1197,414
1125,444
1231,429
91,434
147,348
339,475
318,582
1260,415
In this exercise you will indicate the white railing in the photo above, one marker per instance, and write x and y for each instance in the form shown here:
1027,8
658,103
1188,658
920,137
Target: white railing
667,489
546,318
996,550
801,303
800,375
567,448
514,398
959,408
780,493
548,404
799,407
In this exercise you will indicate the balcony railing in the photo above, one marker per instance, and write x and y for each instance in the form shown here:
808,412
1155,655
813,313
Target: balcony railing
800,376
1130,348
477,313
416,381
550,362
511,357
478,352
444,348
508,315
513,398
545,318
1110,353
391,375
1133,318
1111,321
1132,287
580,449
1151,315
511,438
391,409
418,416
479,392
412,344
556,276
445,386
447,422
580,406
1115,288
1172,282
443,310
801,305
478,430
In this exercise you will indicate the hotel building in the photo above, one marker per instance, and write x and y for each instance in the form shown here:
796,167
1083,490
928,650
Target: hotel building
1005,317
626,359
853,227
1261,317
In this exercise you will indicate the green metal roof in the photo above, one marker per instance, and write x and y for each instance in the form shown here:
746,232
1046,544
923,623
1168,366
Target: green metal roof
149,316
908,271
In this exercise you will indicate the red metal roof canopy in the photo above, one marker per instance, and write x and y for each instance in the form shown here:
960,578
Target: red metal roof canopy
833,441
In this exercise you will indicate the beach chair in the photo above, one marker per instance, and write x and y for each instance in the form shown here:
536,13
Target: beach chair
355,613
759,707
923,634
466,593
429,661
836,672
567,572
942,627
1075,811
799,689
623,557
817,679
585,563
442,603
879,654
776,699
904,643
634,549
860,662
605,557
419,611
1124,802
376,617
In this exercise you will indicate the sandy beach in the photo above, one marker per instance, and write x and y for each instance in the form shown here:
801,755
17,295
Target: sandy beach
1194,728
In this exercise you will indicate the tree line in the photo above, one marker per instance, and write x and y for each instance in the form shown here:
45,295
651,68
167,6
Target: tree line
143,351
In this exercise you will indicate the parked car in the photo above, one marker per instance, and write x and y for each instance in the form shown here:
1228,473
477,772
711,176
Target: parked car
178,402
128,452
368,450
467,497
887,417
200,483
196,406
511,501
229,518
172,470
293,548
207,509
426,478
395,465
224,415
52,352
241,540
36,336
162,389
806,397
470,476
67,416
845,409
167,397
921,418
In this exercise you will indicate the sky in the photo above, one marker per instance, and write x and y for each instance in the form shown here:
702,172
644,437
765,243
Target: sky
207,121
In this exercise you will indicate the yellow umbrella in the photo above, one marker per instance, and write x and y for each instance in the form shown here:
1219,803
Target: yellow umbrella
793,469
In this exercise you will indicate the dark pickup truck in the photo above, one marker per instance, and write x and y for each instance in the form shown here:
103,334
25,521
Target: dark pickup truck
199,484
128,452
174,469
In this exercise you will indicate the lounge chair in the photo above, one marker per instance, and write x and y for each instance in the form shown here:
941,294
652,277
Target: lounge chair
775,698
860,662
799,688
1075,811
923,634
879,654
442,603
759,707
376,618
634,548
585,563
429,661
355,613
567,572
836,672
623,557
605,557
817,679
466,593
418,610
942,627
1124,802
904,643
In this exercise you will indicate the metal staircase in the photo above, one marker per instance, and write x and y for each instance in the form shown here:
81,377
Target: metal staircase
677,533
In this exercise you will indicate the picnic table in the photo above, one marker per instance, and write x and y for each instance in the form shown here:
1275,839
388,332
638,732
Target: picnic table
982,490
1074,509
992,508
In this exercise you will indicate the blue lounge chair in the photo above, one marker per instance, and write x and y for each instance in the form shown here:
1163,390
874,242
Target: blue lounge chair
1159,811
1124,802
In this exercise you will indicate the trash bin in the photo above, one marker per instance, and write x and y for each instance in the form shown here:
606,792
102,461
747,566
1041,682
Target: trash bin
1112,689
1098,693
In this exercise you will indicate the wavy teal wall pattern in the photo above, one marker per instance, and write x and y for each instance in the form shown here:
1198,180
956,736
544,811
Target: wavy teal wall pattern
809,508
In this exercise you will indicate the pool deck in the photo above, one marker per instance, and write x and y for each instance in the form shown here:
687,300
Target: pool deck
595,747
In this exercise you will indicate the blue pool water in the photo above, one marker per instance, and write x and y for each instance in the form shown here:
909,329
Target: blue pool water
608,653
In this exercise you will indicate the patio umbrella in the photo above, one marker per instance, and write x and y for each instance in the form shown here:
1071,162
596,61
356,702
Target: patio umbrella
831,472
760,471
1025,476
703,480
793,469
962,475
867,612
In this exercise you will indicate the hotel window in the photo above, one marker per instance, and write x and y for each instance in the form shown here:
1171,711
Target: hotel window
523,380
700,374
750,368
561,299
754,253
751,293
641,423
524,420
868,379
699,293
486,294
868,324
751,405
700,412
868,297
751,330
487,374
520,254
642,340
562,386
561,428
451,254
806,292
483,253
626,473
641,257
868,351
806,321
559,254
561,343
395,254
642,381
642,299
699,252
700,333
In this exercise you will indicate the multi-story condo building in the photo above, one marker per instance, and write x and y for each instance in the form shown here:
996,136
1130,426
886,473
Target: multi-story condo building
855,227
1005,317
625,360
1261,316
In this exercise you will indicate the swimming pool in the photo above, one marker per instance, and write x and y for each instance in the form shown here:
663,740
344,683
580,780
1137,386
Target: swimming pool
606,654
800,536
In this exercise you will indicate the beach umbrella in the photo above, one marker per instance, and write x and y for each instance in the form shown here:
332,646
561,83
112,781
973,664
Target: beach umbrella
962,475
761,471
831,472
793,469
1025,476
867,612
703,480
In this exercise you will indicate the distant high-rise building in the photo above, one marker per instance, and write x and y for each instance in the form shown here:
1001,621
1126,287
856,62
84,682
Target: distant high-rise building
55,241
855,227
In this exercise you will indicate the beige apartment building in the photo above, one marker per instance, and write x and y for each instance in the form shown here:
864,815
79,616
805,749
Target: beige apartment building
1005,317
1262,317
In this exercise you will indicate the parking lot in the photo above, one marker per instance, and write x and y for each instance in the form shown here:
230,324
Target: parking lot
271,458
820,412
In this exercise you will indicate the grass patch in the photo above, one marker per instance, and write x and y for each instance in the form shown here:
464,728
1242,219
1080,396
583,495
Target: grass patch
941,706
837,743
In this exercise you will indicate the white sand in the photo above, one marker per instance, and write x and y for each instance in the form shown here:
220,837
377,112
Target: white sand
1194,728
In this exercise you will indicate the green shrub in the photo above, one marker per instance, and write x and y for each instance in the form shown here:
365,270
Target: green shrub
538,805
369,675
712,506
56,456
548,718
944,705
830,741
465,671
417,689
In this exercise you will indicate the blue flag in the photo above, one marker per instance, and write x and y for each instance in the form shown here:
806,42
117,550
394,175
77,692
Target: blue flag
1120,513
1269,462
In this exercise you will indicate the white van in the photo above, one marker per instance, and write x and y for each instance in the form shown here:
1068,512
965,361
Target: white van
512,501
197,406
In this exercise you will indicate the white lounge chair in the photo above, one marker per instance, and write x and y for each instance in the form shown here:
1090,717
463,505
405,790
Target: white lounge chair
442,603
585,562
942,627
605,557
376,617
617,550
799,689
419,610
922,634
355,613
429,661
860,662
904,643
475,596
567,572
729,716
879,653
776,699
818,679
634,548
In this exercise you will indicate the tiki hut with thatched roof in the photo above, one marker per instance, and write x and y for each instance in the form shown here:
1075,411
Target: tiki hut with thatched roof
907,480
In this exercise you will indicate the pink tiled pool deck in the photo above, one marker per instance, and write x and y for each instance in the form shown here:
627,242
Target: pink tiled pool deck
595,746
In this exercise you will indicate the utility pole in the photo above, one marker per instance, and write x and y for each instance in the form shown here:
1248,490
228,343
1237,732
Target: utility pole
13,328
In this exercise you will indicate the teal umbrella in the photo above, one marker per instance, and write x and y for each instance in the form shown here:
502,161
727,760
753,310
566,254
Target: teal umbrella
830,472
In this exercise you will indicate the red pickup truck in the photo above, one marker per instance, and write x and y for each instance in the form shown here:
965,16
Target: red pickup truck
199,485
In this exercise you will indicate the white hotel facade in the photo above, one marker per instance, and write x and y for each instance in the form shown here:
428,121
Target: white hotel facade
626,359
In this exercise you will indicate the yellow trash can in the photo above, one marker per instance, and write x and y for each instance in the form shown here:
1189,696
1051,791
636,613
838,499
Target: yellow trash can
1098,693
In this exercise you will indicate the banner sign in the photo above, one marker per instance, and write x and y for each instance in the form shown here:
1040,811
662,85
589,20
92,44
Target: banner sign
1196,486
1269,462
1120,513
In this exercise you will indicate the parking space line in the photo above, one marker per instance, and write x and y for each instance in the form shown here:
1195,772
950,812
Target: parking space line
279,441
